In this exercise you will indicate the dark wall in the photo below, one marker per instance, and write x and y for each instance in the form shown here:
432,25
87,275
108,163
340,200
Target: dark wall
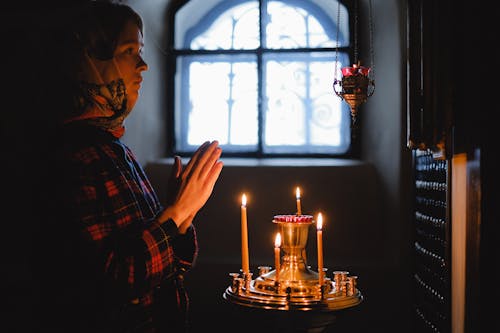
32,94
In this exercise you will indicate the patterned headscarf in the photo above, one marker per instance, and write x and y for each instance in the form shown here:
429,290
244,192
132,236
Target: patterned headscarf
102,98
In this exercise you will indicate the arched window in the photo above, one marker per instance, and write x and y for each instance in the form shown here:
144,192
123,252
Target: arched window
257,76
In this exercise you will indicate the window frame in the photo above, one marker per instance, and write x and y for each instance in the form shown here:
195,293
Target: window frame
171,68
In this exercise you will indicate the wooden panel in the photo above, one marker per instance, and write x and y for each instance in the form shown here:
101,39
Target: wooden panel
458,241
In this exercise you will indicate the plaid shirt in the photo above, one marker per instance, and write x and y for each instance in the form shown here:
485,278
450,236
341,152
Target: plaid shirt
134,264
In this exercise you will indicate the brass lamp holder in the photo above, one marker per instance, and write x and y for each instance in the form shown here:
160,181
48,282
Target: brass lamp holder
355,87
297,287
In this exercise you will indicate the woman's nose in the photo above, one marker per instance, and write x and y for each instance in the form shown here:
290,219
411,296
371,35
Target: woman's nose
142,65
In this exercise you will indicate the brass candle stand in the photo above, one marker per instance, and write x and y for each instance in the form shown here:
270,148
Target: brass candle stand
297,286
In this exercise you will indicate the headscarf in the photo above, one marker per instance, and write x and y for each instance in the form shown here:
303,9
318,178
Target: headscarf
102,98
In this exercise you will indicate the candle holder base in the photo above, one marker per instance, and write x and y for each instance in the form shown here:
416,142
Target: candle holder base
305,295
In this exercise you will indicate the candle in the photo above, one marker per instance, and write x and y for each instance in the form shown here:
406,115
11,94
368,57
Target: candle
277,244
319,234
244,236
297,195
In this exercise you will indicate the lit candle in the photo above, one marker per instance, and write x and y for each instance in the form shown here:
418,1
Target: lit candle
277,244
244,235
297,195
319,233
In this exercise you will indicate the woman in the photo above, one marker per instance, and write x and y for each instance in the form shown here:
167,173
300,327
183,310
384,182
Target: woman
116,256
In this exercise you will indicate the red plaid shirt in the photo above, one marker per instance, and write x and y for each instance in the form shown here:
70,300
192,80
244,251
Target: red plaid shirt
132,266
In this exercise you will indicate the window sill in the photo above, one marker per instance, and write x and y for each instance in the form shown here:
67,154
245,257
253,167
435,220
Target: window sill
280,162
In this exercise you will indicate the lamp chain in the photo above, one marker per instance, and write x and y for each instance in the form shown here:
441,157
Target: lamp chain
355,31
372,53
337,40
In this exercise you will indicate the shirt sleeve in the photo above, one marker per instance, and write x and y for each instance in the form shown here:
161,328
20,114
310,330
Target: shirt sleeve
185,245
186,248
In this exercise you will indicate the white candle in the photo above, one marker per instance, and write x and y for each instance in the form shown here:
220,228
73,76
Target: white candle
244,235
297,195
319,234
277,245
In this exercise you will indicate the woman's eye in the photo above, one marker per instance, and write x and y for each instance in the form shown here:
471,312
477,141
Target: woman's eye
132,51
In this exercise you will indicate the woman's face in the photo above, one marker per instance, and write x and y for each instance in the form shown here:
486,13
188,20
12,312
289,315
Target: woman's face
129,60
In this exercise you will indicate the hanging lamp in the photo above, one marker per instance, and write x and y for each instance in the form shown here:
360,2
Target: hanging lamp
357,83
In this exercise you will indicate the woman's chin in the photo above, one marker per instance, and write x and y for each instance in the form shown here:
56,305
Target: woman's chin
132,99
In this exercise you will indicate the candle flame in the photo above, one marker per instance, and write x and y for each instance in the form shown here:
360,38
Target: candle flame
297,192
244,200
319,223
277,240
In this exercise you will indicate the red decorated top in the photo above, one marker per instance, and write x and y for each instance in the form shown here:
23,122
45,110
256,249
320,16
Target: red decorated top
293,218
356,69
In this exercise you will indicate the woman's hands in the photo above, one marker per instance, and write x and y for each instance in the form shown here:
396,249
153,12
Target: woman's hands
190,188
